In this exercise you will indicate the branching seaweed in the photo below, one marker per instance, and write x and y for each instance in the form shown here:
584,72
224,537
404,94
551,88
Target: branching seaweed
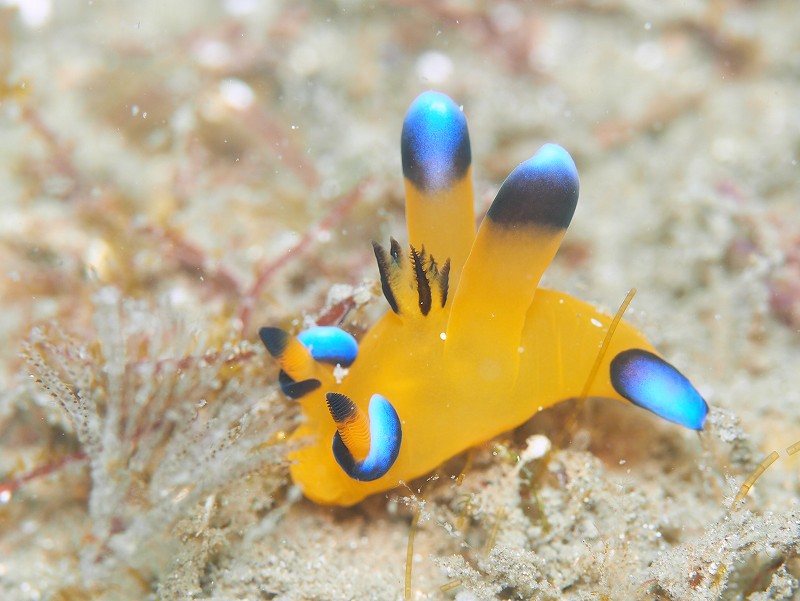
703,568
163,420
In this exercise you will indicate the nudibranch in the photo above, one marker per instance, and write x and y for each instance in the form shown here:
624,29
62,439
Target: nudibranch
471,347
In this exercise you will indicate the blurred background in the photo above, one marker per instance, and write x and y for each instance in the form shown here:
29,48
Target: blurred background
233,159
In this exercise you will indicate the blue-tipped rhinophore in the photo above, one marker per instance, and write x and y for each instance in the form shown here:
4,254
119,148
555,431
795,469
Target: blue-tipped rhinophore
330,344
541,191
650,382
385,437
435,143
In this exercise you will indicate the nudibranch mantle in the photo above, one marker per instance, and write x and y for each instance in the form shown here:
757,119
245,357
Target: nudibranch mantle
472,347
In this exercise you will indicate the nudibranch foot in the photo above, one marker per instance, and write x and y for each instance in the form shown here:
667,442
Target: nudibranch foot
364,447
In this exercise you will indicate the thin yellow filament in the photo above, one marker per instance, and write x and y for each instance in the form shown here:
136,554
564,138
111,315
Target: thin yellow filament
606,342
596,366
467,465
751,479
410,553
493,536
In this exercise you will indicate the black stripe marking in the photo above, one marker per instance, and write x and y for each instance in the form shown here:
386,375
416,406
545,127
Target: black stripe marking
395,250
296,390
275,340
341,407
444,281
383,268
423,286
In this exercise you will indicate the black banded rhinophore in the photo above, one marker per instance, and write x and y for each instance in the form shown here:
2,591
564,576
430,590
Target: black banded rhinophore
549,176
365,447
471,346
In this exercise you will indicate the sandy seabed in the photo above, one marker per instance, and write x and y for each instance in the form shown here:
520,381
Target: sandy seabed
174,175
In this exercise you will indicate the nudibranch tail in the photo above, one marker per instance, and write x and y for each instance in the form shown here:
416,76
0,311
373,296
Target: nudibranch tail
437,161
365,448
516,241
562,338
648,381
413,286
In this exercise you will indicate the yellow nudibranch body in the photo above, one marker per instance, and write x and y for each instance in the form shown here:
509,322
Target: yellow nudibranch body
472,346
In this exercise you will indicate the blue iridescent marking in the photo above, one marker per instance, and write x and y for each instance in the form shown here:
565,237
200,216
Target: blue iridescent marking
330,344
650,382
541,191
435,142
385,437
